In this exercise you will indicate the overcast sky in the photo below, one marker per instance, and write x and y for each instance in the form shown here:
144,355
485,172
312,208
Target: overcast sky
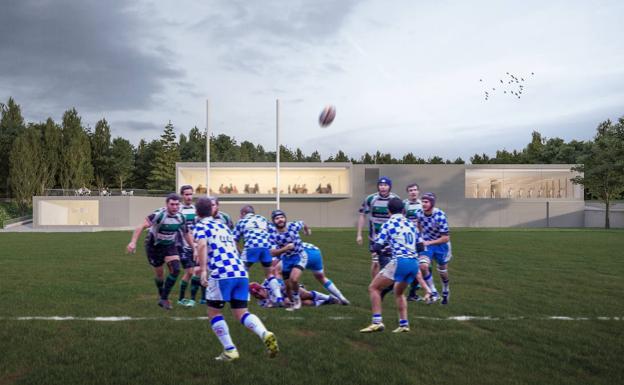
403,75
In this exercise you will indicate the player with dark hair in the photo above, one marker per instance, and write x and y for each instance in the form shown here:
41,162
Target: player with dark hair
412,205
254,230
195,286
287,245
434,226
186,251
161,245
406,244
227,281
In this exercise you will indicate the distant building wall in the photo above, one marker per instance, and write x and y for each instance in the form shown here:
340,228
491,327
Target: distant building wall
340,209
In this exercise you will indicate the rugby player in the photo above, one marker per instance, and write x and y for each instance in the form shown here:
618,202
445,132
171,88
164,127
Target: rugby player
406,244
375,206
254,230
434,226
287,245
161,245
186,251
226,280
315,265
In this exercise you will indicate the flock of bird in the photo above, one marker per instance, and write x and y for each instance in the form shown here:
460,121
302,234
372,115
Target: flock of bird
512,85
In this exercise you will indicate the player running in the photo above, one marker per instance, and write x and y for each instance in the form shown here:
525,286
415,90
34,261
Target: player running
254,229
287,245
186,251
406,244
161,245
435,229
315,265
227,281
375,207
195,285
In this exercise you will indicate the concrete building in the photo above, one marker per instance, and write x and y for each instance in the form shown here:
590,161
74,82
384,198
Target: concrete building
330,194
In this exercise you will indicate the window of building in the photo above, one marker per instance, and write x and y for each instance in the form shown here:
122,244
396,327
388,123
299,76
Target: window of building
294,181
527,183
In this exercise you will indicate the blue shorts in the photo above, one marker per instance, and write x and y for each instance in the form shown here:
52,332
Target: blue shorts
288,263
186,257
228,289
441,254
401,270
258,254
315,260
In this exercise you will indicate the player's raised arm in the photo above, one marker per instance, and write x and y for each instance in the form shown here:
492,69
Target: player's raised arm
131,248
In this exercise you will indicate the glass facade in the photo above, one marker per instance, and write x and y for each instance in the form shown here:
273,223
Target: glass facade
69,213
522,183
294,181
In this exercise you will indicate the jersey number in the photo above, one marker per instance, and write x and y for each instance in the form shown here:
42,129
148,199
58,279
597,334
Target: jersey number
409,238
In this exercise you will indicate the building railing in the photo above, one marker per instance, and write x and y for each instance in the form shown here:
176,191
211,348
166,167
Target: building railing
86,192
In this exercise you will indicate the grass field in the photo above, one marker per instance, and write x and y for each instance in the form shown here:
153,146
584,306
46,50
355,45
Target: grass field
519,278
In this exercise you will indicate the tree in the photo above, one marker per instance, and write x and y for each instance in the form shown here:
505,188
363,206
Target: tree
11,125
144,160
76,169
162,176
101,154
435,160
122,160
52,140
603,166
534,151
27,169
193,149
314,157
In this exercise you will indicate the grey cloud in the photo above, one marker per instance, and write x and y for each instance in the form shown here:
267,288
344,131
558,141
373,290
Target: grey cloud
252,37
87,54
132,126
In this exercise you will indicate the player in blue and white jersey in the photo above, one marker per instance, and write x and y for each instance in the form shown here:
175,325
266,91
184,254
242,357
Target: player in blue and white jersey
287,245
195,285
315,265
434,226
226,280
254,230
375,208
406,245
308,298
161,245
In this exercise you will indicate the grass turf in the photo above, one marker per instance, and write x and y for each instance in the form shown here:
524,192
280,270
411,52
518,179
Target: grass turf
533,274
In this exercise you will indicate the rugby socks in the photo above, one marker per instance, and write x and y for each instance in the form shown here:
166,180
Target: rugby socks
183,286
195,283
319,298
253,323
295,297
429,280
169,284
203,292
445,286
403,323
275,287
377,318
329,285
159,285
220,328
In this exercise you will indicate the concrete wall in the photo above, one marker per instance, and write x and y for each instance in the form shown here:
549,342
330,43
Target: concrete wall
447,181
595,215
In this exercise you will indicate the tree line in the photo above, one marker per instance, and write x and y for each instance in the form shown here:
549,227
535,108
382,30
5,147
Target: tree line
69,155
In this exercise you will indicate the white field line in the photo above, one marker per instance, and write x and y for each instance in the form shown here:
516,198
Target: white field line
461,318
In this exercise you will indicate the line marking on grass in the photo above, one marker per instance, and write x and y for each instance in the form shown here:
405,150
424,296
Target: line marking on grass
459,318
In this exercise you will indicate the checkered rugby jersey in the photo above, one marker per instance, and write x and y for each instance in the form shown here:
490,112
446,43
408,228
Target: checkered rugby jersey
433,226
223,260
307,245
376,208
254,229
401,234
291,235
